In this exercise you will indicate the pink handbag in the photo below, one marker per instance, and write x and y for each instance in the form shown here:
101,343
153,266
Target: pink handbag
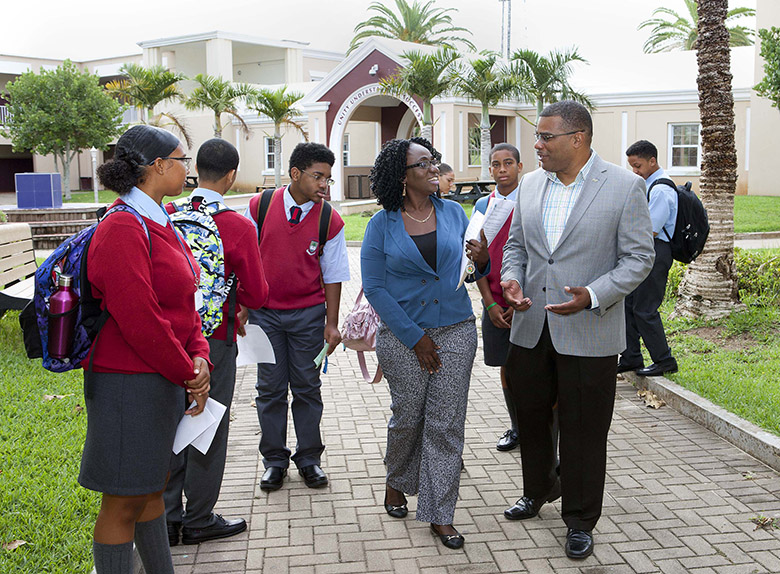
359,334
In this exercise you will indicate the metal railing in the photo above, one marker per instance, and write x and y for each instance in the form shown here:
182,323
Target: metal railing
5,114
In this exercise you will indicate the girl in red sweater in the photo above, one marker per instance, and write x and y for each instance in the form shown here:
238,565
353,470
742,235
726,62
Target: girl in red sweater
149,352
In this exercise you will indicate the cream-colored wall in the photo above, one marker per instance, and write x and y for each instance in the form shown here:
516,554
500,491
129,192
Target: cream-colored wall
764,119
316,65
362,137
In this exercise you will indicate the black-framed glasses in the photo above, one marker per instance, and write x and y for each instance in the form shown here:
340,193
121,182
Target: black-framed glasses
318,177
185,160
546,137
425,164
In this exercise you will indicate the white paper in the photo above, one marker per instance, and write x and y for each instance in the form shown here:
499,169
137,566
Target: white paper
497,213
199,430
255,347
472,232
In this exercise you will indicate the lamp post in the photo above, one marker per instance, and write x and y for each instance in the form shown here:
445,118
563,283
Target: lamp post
93,153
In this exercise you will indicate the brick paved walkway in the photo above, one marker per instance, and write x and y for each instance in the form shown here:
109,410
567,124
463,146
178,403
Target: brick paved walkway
678,498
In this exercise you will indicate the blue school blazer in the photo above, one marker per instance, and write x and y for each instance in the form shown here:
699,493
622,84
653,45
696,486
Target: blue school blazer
407,294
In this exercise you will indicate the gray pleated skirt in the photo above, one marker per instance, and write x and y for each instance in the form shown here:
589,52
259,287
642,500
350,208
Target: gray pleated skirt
131,424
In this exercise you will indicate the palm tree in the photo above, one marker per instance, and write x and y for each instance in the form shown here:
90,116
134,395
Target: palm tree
145,88
671,31
419,23
486,80
426,76
220,96
546,78
709,288
278,105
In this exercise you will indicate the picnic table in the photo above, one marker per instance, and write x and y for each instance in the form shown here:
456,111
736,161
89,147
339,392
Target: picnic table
469,191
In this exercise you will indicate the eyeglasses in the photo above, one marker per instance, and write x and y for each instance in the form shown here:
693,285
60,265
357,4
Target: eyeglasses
425,164
318,177
545,137
185,160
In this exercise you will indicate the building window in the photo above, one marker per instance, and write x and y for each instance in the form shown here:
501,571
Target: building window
270,158
684,147
345,150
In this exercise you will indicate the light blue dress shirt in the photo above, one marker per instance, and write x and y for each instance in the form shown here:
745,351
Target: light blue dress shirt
146,206
662,205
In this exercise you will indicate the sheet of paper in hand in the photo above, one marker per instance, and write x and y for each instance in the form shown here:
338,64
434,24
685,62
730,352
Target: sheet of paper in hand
499,209
472,232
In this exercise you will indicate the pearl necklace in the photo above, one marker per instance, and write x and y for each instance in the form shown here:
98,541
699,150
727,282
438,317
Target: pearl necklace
420,220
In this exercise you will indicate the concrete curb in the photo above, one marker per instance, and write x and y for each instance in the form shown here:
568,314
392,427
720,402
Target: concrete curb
746,436
757,235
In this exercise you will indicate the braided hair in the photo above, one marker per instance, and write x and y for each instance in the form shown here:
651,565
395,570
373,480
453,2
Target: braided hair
390,169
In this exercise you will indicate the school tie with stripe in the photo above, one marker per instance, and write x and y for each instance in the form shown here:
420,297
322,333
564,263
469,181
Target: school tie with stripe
295,214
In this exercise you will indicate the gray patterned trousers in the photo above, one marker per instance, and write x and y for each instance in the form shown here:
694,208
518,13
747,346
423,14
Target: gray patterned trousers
425,433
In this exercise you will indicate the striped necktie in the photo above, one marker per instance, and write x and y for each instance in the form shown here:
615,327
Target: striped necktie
295,214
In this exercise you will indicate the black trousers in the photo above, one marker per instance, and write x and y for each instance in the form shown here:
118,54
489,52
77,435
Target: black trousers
642,317
584,388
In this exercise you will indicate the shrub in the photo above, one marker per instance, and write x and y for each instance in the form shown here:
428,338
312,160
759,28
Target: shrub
758,276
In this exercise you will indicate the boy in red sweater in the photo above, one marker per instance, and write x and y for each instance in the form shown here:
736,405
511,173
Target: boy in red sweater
505,167
199,475
302,310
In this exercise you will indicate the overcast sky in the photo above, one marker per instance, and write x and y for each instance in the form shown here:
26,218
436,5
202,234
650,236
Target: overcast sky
90,29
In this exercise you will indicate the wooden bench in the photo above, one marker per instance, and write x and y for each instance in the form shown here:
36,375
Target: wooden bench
17,266
476,189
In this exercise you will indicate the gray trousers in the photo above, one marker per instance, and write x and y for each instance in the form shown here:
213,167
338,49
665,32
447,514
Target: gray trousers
297,336
426,431
196,474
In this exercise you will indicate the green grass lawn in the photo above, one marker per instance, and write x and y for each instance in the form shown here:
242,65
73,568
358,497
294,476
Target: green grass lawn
40,452
107,196
756,213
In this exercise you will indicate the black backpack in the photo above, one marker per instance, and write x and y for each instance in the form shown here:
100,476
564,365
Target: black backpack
692,226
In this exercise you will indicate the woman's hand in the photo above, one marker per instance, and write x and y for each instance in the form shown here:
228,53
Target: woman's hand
199,387
478,252
425,349
241,318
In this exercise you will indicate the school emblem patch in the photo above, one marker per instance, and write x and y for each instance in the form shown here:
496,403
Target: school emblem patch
313,247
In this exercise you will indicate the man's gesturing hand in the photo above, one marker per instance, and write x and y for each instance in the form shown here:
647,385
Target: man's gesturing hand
513,295
580,300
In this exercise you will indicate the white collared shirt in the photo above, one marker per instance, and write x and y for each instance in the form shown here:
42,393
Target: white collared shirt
146,206
208,195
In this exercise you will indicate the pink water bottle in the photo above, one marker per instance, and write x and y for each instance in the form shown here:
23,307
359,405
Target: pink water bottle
62,318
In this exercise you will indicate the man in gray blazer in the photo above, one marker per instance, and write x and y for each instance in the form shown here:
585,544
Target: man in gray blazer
580,241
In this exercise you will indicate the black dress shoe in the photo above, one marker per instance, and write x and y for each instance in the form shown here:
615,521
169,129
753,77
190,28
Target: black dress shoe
396,510
579,544
313,476
508,441
174,528
273,477
453,541
529,507
625,367
658,369
220,529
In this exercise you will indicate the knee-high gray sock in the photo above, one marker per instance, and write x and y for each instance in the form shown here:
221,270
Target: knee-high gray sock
113,558
510,407
151,539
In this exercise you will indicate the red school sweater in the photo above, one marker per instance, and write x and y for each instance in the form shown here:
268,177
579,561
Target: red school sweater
242,257
290,253
496,251
153,325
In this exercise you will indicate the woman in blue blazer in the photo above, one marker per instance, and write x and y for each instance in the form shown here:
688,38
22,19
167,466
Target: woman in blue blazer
427,339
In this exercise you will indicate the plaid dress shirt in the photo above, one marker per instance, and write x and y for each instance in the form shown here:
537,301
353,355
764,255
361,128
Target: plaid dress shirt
559,200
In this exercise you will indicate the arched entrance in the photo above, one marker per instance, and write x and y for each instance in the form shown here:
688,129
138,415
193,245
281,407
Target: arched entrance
376,118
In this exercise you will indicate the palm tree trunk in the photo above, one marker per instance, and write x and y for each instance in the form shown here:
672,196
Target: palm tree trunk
485,144
709,288
427,127
217,125
427,132
277,156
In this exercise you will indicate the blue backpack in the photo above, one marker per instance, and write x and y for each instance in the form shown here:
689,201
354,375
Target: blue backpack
69,258
199,230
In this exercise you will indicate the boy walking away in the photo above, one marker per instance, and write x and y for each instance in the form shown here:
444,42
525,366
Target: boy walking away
642,317
199,475
505,167
302,310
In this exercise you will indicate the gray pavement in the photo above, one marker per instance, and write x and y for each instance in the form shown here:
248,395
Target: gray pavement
678,498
